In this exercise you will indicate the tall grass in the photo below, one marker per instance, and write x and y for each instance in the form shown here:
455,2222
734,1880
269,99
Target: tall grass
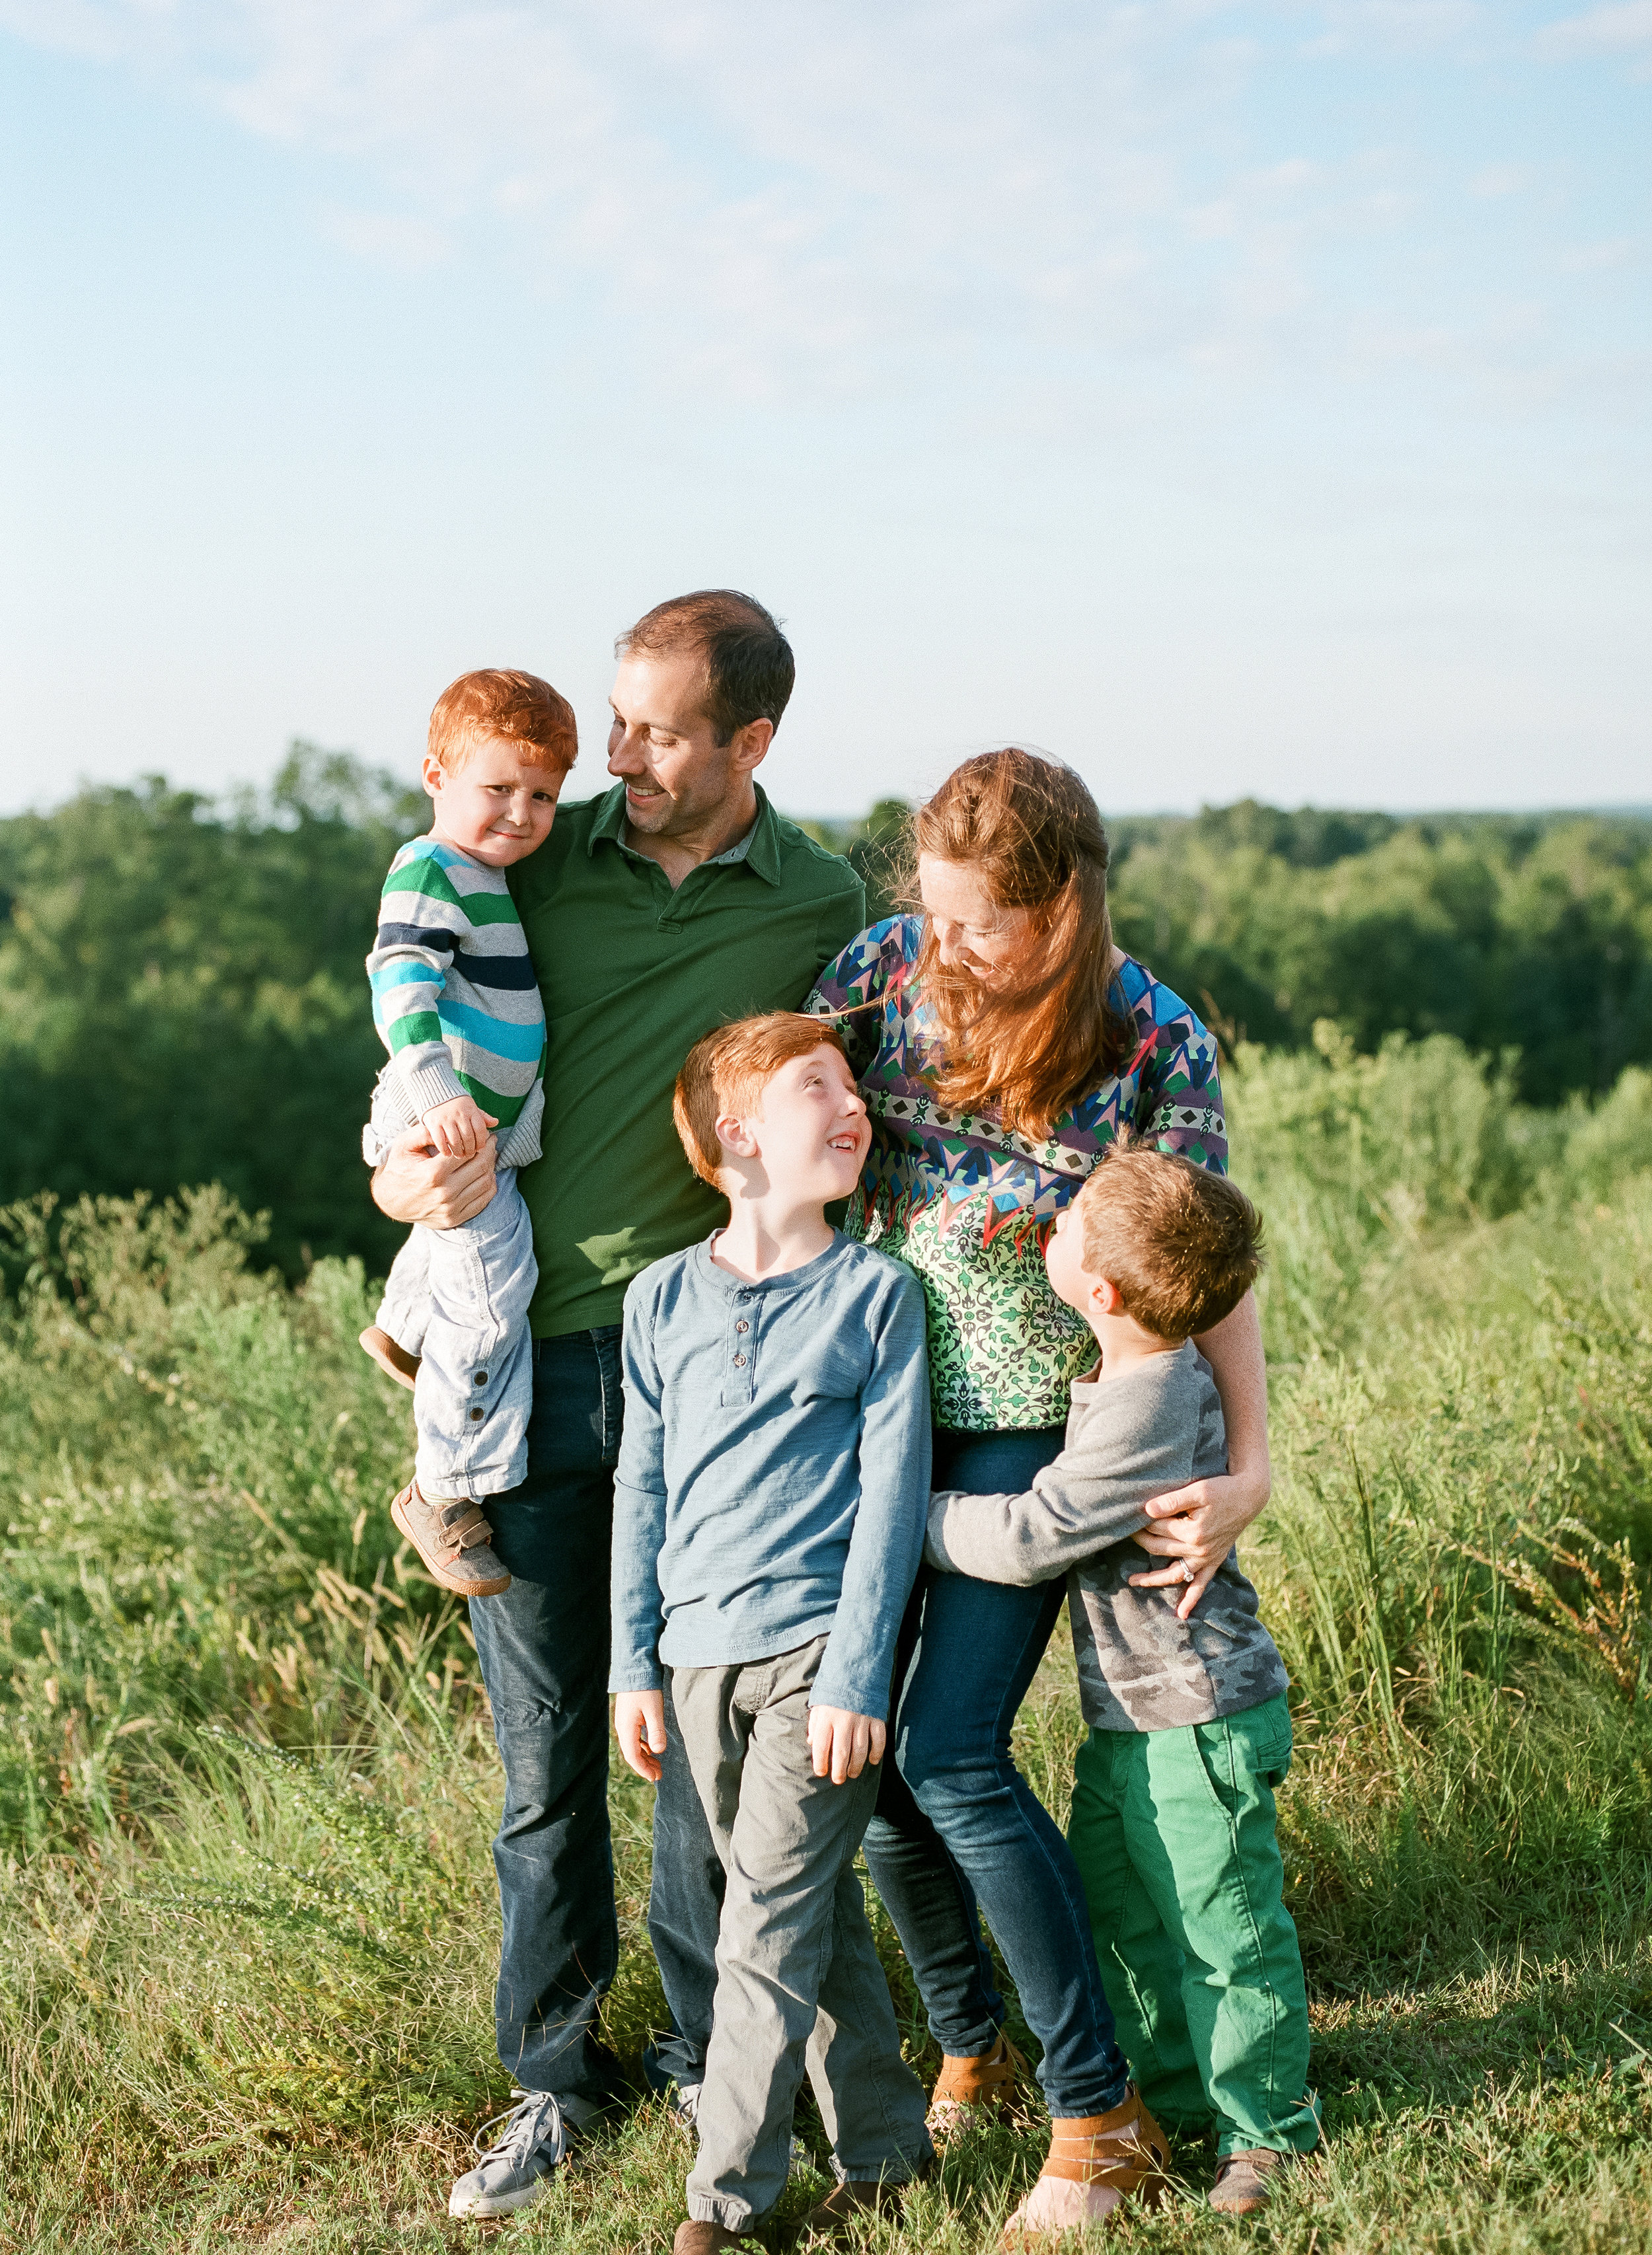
246,1778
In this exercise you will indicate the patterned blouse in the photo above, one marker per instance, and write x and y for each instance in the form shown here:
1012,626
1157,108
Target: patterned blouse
969,1204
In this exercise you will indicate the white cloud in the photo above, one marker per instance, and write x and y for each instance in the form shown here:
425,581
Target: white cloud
1395,26
1493,181
1600,257
1622,28
397,240
811,203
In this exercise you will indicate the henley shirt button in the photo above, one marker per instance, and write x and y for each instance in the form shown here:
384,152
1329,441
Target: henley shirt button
481,1378
739,1362
743,1326
476,1417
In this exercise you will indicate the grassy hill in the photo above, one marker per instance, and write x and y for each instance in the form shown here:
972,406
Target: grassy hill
246,1781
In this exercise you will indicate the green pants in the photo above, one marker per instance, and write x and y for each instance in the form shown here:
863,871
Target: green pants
1173,1832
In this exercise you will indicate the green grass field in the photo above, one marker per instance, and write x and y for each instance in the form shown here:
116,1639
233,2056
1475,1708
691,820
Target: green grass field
247,1783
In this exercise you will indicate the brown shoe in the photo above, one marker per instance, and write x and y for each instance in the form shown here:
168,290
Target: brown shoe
455,1541
971,2094
850,2205
395,1361
1096,2162
1244,2179
707,2239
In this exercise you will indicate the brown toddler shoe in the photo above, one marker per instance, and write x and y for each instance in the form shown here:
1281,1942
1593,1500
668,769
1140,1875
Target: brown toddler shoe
707,2239
395,1361
1244,2179
970,2094
837,2218
455,1541
1095,2163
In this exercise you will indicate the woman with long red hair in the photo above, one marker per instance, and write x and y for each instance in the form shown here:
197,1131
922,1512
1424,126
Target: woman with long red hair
1001,1042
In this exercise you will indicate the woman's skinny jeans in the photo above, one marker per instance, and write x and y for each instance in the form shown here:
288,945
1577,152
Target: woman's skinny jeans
958,1830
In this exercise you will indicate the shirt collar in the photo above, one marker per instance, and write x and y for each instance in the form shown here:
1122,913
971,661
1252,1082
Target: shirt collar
759,849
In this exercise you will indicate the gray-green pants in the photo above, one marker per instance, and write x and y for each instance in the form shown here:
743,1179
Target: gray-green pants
1173,1835
799,1987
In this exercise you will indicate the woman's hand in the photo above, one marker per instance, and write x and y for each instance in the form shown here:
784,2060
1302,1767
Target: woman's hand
1197,1526
415,1183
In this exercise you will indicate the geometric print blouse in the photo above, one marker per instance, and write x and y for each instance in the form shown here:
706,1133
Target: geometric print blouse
968,1205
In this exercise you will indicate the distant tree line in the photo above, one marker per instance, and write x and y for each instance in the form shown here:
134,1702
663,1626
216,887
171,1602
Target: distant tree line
182,998
1524,932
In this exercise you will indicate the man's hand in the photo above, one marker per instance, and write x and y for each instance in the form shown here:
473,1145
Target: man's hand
459,1128
842,1743
415,1183
1197,1526
639,1724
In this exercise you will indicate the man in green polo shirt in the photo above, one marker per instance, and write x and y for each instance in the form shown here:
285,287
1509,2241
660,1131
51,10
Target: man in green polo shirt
677,901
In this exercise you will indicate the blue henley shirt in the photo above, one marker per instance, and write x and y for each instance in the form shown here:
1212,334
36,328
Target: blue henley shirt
773,1479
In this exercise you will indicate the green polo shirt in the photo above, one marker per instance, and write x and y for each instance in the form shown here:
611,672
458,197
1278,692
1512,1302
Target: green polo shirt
632,974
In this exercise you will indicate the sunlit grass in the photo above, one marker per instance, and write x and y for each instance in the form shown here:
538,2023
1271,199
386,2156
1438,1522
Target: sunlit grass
246,1781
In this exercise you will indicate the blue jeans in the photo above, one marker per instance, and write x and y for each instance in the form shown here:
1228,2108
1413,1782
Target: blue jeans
543,1647
958,1830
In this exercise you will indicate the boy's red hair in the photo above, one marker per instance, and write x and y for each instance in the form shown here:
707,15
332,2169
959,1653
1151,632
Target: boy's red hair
497,701
726,1072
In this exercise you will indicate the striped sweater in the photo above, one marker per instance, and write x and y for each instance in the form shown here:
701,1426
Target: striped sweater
454,997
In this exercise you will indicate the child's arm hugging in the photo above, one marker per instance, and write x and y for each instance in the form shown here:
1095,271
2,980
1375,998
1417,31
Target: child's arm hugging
639,1533
1091,1497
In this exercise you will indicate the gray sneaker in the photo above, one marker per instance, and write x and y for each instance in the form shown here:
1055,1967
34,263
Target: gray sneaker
516,2169
452,1539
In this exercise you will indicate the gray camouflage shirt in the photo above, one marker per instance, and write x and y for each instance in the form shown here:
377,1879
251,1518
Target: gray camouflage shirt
1130,1438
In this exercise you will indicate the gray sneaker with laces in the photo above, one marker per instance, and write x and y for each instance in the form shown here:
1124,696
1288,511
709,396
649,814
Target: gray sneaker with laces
517,2167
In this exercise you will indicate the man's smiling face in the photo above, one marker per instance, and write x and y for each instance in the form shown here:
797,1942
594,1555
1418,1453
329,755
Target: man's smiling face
678,776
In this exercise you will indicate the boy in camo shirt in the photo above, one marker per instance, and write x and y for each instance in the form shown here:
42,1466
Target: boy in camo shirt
1172,1824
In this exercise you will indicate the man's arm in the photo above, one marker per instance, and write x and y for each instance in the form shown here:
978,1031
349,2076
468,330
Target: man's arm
415,1183
639,1509
1200,1522
1140,1434
888,1539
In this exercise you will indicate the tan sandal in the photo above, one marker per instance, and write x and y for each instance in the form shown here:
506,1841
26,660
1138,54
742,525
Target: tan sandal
393,1358
971,2094
452,1539
1095,2164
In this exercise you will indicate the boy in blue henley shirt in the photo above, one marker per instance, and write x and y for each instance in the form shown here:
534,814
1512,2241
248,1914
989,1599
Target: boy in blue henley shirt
770,1509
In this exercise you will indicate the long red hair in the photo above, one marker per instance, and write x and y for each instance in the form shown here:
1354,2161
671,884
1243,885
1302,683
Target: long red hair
1031,832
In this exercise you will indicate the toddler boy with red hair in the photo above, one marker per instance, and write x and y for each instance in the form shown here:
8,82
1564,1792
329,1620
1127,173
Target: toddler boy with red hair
455,1001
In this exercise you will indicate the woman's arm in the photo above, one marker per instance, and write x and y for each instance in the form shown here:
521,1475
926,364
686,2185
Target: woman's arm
1200,1523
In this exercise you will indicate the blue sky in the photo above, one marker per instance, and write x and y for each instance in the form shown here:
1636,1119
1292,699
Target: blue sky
1228,398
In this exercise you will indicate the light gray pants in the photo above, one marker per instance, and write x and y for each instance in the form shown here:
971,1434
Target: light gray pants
799,1987
459,1299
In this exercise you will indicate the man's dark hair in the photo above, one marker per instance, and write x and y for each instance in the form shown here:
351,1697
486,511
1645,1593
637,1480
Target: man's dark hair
749,664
